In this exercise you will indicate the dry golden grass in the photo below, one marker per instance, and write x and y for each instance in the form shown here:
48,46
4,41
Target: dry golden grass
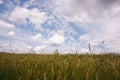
59,67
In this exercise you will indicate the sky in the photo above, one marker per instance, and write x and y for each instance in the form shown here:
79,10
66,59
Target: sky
67,25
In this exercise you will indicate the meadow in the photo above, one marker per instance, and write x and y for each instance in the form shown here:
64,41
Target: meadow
59,67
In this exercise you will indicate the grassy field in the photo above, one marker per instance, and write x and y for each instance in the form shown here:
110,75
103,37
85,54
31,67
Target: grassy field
59,67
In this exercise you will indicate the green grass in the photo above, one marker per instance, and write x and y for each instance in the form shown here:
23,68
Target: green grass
59,67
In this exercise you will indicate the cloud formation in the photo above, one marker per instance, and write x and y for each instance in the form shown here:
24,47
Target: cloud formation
20,15
37,37
100,18
56,40
67,24
11,33
84,11
36,17
39,49
5,24
85,37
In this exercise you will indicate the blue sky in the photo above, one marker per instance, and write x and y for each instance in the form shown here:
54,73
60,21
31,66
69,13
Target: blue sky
66,25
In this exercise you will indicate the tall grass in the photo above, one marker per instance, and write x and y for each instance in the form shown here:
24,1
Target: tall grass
59,67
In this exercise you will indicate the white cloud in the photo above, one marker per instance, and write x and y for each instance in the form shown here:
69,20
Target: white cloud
85,37
94,42
11,33
74,10
37,17
84,11
84,50
4,45
37,37
1,2
56,40
19,15
5,27
111,33
5,24
29,47
102,15
38,49
14,46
